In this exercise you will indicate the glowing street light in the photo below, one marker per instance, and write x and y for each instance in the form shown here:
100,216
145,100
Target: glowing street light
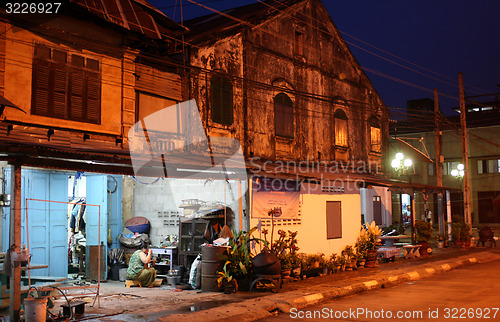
459,171
400,164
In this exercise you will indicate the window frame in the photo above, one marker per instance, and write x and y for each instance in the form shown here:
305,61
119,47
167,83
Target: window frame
283,111
341,115
333,231
221,100
65,86
375,131
138,117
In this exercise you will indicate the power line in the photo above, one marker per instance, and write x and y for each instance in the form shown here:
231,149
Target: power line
366,43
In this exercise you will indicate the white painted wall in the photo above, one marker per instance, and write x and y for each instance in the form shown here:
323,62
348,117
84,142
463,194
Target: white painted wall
312,229
157,200
367,204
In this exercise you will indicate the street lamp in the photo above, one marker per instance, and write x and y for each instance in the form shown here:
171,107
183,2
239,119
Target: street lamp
459,172
400,164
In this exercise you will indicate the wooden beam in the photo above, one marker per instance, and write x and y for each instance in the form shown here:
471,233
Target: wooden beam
15,243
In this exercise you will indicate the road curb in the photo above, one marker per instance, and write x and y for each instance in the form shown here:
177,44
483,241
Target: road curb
259,308
384,282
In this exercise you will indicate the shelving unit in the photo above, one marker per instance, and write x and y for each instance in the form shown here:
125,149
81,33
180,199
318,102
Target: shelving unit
190,240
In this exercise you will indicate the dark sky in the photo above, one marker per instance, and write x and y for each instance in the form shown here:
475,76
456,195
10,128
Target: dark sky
436,38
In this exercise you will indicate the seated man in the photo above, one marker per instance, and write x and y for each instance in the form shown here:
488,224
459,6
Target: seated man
138,269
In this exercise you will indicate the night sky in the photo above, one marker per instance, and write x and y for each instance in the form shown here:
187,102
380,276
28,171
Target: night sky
436,38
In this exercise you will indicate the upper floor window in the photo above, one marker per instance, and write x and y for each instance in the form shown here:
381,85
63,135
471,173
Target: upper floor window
340,128
283,115
221,94
298,43
147,104
66,86
488,166
375,135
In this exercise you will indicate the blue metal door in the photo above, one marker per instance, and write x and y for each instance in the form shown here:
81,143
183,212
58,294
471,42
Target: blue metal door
96,195
115,208
48,221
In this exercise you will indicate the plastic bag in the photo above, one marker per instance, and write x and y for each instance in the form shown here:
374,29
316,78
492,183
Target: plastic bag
192,273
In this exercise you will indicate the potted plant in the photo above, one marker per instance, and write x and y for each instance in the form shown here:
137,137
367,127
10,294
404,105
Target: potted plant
360,256
225,280
441,240
424,235
340,262
286,265
296,262
313,264
465,234
460,233
367,240
348,253
238,258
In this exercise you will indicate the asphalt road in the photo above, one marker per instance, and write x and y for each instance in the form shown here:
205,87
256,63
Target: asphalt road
471,293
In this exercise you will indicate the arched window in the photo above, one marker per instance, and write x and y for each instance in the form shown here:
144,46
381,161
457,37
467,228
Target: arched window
375,135
221,100
283,115
340,119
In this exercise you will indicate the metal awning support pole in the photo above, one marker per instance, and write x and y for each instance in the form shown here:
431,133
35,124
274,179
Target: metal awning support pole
15,244
412,213
448,214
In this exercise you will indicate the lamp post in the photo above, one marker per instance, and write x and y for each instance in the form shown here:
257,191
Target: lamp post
401,166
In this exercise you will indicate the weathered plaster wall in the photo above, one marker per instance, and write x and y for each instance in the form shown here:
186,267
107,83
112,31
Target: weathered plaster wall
326,71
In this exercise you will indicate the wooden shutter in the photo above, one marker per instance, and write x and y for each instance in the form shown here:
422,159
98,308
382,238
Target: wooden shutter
59,80
41,88
221,90
76,94
93,97
333,219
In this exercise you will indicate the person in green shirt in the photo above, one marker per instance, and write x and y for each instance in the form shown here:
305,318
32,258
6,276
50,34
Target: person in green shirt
137,267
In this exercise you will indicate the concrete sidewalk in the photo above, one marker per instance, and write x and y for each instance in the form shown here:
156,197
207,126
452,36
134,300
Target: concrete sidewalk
118,303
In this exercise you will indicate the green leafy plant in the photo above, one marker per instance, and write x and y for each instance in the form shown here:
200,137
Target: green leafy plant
368,237
238,256
286,242
314,260
286,261
340,261
424,231
224,276
348,252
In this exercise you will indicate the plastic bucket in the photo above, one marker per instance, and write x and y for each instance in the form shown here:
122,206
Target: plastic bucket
210,264
122,274
35,309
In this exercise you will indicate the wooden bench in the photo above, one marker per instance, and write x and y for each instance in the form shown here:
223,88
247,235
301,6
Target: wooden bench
401,244
411,251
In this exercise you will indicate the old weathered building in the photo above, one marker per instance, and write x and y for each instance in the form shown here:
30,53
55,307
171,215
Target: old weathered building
279,78
75,76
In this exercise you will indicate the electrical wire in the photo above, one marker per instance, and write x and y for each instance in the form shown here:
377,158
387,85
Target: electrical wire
306,93
368,44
